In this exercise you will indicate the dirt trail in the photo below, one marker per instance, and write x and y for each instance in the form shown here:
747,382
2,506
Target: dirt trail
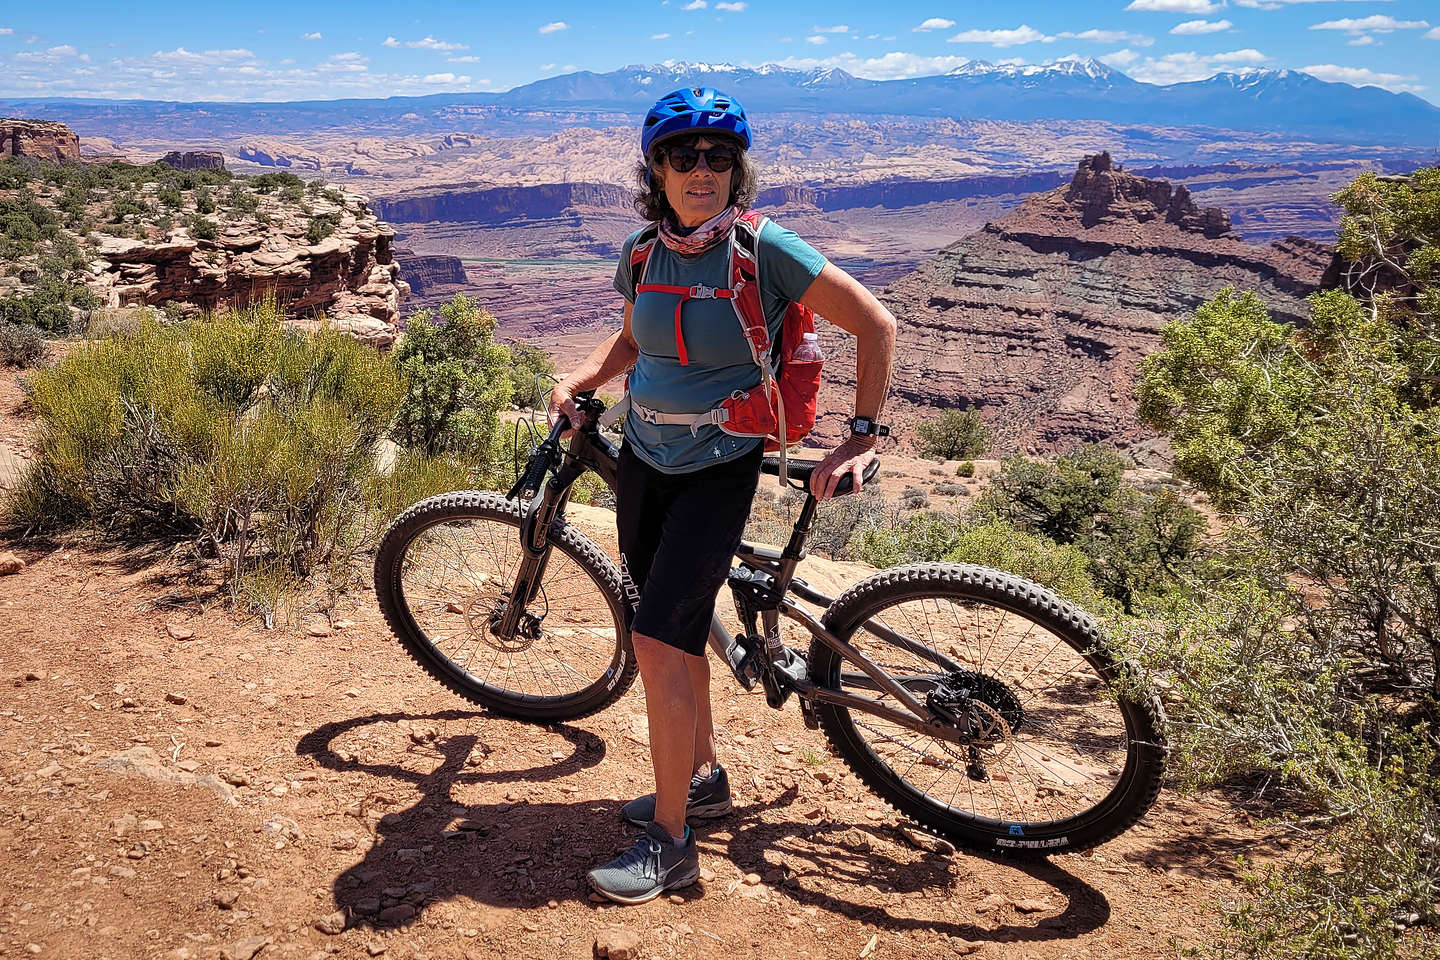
177,785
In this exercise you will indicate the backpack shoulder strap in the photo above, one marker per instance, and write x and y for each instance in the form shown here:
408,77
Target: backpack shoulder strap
640,252
745,282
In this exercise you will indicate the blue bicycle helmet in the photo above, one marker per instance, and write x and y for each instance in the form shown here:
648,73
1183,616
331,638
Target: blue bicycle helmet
697,110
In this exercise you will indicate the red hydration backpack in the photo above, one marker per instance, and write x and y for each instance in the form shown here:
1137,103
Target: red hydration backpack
782,406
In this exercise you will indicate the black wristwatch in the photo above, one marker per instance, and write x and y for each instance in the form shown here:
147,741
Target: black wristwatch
866,427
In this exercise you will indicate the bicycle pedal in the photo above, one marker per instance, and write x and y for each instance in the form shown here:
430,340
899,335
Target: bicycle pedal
809,714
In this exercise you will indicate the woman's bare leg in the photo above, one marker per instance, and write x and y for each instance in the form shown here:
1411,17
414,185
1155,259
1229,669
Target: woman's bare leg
704,722
670,705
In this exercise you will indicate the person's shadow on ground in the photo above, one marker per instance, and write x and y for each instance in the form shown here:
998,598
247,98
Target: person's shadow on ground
522,855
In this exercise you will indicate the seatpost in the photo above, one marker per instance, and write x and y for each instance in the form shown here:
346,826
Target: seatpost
795,549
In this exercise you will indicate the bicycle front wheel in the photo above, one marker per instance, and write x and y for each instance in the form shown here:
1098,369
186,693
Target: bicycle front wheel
444,576
1062,750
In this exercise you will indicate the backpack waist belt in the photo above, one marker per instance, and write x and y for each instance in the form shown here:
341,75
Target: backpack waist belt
694,421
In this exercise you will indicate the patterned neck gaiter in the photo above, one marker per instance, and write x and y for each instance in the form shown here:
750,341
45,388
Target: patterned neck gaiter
703,237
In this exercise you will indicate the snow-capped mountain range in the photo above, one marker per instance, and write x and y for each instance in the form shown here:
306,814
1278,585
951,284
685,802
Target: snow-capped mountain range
1285,101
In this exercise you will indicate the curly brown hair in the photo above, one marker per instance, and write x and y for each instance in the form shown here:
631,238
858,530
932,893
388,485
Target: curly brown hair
650,202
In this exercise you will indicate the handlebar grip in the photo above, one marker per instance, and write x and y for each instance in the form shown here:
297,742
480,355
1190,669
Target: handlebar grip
529,484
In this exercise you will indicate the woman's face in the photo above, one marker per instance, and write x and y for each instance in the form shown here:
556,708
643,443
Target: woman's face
699,193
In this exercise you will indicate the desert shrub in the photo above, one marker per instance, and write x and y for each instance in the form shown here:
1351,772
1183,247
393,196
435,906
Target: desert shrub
914,498
335,196
48,305
917,538
124,205
202,228
256,442
457,380
1138,544
204,201
1061,567
321,227
953,434
1320,444
21,345
24,221
532,369
105,322
313,188
170,196
951,490
965,468
269,182
240,198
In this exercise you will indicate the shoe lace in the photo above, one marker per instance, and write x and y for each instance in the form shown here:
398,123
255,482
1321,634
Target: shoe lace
643,859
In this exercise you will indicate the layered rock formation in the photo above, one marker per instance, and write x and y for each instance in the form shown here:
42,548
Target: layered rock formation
350,276
428,273
498,205
42,139
194,160
1040,319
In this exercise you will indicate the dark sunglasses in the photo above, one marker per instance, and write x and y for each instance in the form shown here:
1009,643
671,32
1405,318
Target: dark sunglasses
683,159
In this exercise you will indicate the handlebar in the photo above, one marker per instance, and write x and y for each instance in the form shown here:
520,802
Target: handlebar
529,483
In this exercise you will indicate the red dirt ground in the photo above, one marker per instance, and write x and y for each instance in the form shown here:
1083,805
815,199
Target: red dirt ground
274,781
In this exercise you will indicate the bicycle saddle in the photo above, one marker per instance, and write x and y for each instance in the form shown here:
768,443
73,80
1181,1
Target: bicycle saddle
799,472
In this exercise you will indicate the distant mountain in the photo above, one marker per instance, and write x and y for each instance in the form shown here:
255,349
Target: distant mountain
1271,101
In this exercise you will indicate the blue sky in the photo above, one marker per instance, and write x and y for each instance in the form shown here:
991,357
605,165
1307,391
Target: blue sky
320,50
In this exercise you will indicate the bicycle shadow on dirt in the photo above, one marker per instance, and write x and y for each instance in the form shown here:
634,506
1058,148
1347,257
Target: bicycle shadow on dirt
520,855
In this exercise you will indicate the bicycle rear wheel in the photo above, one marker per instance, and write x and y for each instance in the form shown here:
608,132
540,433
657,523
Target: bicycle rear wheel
1067,750
444,574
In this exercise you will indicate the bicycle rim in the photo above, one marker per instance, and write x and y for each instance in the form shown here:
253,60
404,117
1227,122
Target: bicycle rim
450,573
1067,757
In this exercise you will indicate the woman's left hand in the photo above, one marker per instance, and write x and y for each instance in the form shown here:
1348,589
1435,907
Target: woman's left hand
851,457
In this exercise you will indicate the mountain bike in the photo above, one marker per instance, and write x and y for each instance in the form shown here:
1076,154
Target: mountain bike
979,704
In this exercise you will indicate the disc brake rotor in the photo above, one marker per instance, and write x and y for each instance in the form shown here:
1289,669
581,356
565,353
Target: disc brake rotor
484,616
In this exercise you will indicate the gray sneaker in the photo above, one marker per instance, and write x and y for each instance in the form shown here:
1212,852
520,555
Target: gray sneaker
649,868
709,798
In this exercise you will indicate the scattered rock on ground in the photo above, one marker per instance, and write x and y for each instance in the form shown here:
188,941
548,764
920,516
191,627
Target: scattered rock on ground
617,943
10,563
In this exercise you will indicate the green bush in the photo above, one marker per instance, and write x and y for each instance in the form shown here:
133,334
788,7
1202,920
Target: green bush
203,228
255,441
21,345
532,370
457,380
269,182
1139,544
170,196
204,201
49,303
952,435
240,198
883,540
320,228
965,468
1061,567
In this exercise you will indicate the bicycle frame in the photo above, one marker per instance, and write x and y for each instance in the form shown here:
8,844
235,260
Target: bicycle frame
761,586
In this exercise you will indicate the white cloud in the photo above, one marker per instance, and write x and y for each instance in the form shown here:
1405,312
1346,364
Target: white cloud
430,43
465,59
1363,40
390,42
1365,77
1120,58
1176,6
816,40
934,23
312,36
838,28
1110,36
555,26
6,31
1277,4
1187,65
1002,38
343,63
659,36
1433,34
1379,23
695,5
445,78
1195,27
732,7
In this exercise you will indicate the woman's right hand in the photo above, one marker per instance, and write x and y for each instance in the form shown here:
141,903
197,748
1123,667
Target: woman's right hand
562,402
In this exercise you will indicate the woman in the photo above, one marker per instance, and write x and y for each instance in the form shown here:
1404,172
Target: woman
683,495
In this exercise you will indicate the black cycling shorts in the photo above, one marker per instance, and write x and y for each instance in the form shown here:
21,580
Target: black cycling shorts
678,534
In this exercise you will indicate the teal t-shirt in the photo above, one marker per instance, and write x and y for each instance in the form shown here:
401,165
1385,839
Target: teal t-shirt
720,361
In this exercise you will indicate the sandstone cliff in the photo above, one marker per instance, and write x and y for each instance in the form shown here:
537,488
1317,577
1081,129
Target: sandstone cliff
1039,320
42,139
350,276
194,160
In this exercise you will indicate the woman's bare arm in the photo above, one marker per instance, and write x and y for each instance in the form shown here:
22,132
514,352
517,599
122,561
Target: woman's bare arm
611,358
844,301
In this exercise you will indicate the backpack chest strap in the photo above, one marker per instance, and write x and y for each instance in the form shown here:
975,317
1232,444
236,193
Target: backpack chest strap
698,292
